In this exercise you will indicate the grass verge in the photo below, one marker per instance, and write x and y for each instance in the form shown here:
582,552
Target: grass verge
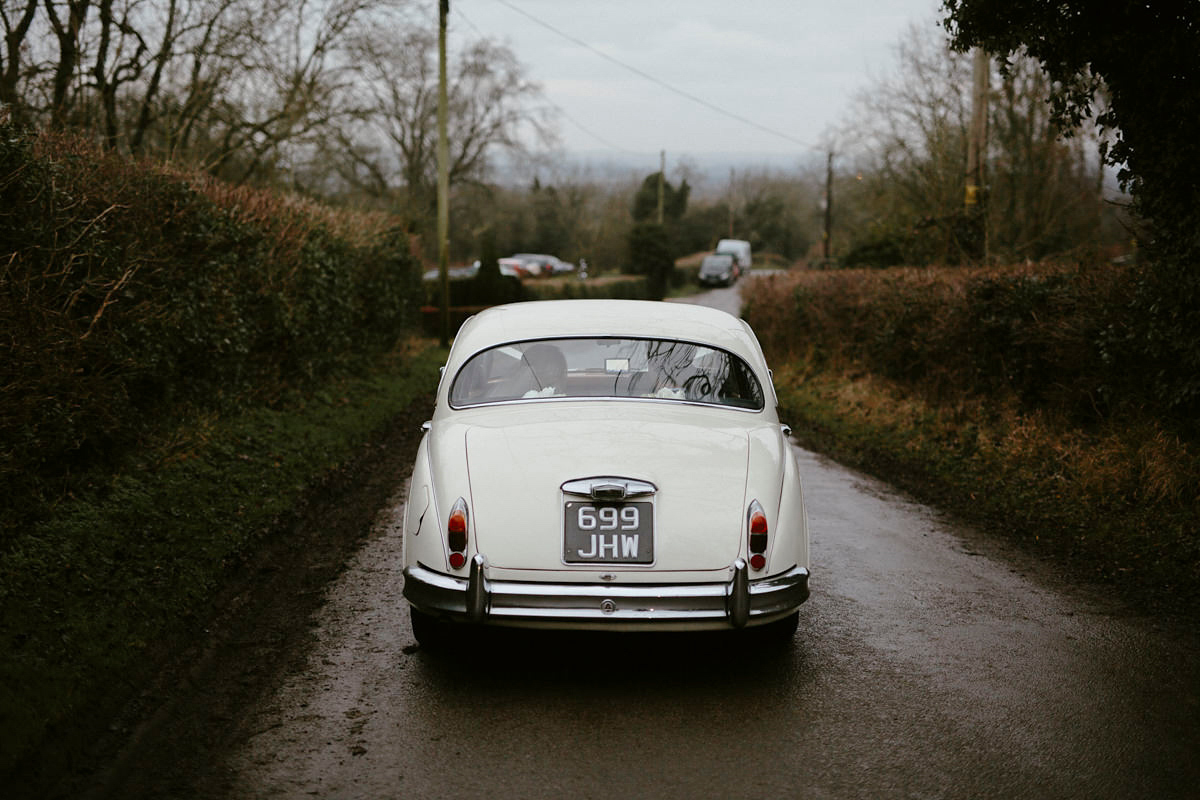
89,599
1114,506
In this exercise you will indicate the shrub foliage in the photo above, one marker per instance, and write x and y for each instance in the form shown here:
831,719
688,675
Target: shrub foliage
1045,338
128,293
1022,398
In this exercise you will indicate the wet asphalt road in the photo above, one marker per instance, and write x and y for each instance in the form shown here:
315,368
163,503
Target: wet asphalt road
930,662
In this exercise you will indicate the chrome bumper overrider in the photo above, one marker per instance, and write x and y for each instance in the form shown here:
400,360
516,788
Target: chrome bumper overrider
737,602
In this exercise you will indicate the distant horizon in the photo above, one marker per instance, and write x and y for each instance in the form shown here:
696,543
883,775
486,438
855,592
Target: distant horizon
605,166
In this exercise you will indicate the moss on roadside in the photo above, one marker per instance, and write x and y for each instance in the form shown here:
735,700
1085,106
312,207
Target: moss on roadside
87,596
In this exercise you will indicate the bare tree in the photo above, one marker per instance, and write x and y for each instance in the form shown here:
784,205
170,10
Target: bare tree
120,58
910,128
300,83
247,79
17,17
250,88
491,104
67,21
1044,197
171,29
212,42
909,143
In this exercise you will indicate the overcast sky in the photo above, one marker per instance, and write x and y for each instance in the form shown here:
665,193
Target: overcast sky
787,68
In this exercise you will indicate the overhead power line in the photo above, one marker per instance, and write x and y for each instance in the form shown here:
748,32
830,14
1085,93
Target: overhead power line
561,111
647,76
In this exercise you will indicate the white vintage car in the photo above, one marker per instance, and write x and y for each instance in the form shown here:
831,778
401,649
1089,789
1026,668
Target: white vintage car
605,464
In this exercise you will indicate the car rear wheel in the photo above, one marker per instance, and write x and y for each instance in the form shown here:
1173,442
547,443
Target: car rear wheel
430,631
779,633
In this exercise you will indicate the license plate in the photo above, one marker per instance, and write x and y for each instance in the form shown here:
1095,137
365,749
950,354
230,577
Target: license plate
608,533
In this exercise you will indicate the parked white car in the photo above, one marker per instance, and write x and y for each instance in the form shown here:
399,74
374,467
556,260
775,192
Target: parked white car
739,249
605,464
513,267
540,264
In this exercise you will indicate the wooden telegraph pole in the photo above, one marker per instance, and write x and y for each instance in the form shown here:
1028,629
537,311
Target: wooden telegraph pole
731,185
975,197
827,242
443,185
662,170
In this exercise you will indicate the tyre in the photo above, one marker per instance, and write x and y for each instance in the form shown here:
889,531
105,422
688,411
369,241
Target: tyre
779,633
430,631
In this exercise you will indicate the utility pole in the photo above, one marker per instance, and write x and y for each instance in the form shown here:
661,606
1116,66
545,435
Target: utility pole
662,170
975,199
731,202
443,186
828,237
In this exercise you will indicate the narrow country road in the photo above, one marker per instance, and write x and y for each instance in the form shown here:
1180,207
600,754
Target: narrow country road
930,662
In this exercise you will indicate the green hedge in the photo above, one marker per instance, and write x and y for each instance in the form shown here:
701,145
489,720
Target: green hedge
90,598
1043,336
1015,397
624,288
128,293
180,363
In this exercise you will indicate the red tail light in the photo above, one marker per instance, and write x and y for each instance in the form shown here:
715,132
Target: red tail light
756,526
456,533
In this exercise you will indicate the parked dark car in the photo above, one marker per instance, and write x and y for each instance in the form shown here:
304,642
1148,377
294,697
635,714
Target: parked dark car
719,269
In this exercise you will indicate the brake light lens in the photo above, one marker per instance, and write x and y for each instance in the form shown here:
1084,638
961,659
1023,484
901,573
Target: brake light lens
757,530
456,533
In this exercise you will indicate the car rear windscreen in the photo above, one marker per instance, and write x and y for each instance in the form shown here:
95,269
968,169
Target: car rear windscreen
649,369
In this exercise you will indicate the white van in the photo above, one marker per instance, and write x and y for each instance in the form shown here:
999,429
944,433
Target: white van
738,248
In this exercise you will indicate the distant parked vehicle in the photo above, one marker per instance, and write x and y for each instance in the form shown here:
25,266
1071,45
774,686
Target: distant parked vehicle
541,264
739,249
718,269
535,264
561,266
454,273
514,267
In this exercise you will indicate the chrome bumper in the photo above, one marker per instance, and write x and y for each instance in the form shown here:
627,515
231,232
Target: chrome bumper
736,603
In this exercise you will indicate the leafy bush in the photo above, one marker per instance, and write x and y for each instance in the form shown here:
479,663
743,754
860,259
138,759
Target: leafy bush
1153,350
1020,396
91,597
883,249
650,255
128,293
608,287
1054,338
486,288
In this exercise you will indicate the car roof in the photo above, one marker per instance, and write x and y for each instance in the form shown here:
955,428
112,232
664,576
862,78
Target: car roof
633,318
